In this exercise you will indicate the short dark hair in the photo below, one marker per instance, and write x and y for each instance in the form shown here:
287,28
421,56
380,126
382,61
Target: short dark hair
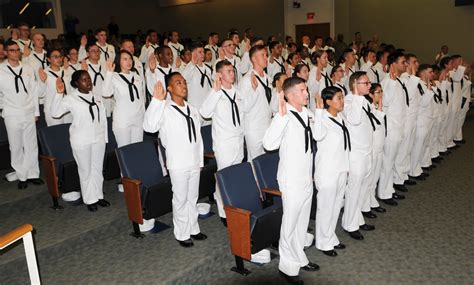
422,68
290,82
298,68
161,49
356,76
328,93
255,49
9,43
211,34
89,45
195,45
169,77
409,55
380,54
221,64
50,51
393,57
273,44
334,69
455,56
99,30
76,76
277,77
117,61
374,87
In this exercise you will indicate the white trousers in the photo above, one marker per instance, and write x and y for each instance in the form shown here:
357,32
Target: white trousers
434,142
330,195
419,147
357,190
185,186
453,115
294,226
460,121
225,158
254,142
402,160
390,150
23,145
129,135
370,200
90,161
442,136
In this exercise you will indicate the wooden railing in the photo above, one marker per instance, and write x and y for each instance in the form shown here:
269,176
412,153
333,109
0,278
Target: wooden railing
24,232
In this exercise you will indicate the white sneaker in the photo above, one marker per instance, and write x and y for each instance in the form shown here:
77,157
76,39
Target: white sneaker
11,176
120,188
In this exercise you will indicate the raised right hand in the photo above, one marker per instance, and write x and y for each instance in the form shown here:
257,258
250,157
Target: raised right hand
159,91
59,86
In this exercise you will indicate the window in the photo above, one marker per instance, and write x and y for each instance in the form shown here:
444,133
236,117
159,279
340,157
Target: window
36,13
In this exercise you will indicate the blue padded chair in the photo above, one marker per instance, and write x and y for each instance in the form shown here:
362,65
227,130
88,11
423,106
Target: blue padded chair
111,168
207,182
147,193
251,227
266,168
58,161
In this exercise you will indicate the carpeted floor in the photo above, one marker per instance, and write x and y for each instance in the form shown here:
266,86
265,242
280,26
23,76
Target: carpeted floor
427,239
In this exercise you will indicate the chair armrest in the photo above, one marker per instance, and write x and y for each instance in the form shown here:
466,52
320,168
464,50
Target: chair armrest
271,191
49,165
238,227
14,235
132,195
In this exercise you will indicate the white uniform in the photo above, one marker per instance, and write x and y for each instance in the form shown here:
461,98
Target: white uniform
278,65
316,86
51,93
97,74
88,136
330,174
456,100
19,95
36,61
129,109
465,100
215,52
158,74
176,49
376,73
258,113
292,134
180,133
395,108
22,43
226,111
424,124
377,157
445,107
361,126
199,83
402,160
437,105
146,52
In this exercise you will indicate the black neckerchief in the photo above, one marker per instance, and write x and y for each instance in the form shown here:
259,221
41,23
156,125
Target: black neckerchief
91,107
131,86
18,78
189,122
96,74
234,107
308,134
345,131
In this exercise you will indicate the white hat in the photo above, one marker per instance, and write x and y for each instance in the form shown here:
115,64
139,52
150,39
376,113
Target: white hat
147,225
203,208
71,196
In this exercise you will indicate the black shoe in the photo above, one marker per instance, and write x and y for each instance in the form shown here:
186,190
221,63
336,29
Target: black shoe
398,196
379,209
22,184
400,188
356,235
329,252
92,207
390,202
425,169
310,267
186,243
103,203
437,159
292,279
369,215
433,166
340,246
199,236
224,222
419,177
409,182
35,181
366,227
425,174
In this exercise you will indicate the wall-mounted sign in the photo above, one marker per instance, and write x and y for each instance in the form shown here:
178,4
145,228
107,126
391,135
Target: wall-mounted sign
310,17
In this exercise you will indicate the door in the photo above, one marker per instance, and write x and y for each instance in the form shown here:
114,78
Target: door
311,30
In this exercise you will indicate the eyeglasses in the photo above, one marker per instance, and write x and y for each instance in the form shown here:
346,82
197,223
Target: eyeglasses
364,82
14,50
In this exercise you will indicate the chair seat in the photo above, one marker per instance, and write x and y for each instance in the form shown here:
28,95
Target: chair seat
265,227
68,177
157,199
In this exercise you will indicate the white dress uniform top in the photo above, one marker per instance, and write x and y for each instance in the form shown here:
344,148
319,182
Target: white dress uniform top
97,74
215,52
129,108
176,49
376,73
51,93
402,160
465,100
106,52
146,52
19,95
424,124
278,65
445,107
88,136
199,83
292,134
226,111
361,125
330,174
158,74
395,108
437,105
22,43
180,133
377,157
258,113
36,61
456,100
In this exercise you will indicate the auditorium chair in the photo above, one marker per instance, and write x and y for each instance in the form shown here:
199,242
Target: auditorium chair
207,181
251,226
266,168
4,146
147,192
111,168
58,161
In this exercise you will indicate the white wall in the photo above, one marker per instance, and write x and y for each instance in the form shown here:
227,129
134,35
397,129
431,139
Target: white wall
323,9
